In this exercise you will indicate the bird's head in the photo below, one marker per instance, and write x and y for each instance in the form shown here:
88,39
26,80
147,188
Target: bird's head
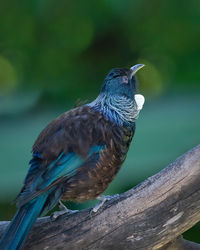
119,100
121,82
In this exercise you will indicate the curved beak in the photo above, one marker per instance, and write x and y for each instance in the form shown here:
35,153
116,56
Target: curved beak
135,68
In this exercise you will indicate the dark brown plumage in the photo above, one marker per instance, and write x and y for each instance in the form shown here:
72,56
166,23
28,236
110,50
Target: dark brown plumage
78,131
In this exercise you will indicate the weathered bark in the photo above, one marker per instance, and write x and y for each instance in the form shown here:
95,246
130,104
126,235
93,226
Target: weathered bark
150,216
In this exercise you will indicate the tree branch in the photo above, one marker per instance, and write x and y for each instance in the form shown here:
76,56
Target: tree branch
150,216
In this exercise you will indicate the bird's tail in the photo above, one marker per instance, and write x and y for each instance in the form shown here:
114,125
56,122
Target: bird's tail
21,224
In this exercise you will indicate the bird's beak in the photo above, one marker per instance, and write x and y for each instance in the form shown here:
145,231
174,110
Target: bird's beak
135,68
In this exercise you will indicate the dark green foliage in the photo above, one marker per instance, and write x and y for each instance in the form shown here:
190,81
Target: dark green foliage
55,47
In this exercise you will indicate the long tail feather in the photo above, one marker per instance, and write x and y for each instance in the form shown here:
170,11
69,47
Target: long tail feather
21,224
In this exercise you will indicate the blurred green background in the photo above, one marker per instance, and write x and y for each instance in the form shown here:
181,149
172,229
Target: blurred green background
55,52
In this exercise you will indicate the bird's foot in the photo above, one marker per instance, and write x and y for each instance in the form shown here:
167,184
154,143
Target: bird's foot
103,199
63,210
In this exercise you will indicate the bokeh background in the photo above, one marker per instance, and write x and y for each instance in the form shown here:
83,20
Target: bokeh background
53,53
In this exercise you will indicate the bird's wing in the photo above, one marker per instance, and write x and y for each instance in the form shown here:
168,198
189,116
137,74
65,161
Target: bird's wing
62,147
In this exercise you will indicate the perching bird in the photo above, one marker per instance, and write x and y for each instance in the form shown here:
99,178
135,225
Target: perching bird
79,153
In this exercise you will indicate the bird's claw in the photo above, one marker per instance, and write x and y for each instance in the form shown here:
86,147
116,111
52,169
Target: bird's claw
63,210
103,199
57,214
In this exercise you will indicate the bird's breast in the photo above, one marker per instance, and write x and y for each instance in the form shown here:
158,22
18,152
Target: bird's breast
94,176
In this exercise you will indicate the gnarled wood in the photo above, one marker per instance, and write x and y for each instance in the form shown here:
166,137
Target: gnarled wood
149,216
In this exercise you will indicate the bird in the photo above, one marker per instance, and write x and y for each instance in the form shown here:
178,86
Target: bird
78,154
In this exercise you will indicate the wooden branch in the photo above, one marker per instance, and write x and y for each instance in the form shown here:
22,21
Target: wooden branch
150,216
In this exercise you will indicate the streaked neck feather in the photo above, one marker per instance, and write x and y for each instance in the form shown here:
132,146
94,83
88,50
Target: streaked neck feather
118,109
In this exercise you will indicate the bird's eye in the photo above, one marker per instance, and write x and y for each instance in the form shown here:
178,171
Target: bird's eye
124,79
